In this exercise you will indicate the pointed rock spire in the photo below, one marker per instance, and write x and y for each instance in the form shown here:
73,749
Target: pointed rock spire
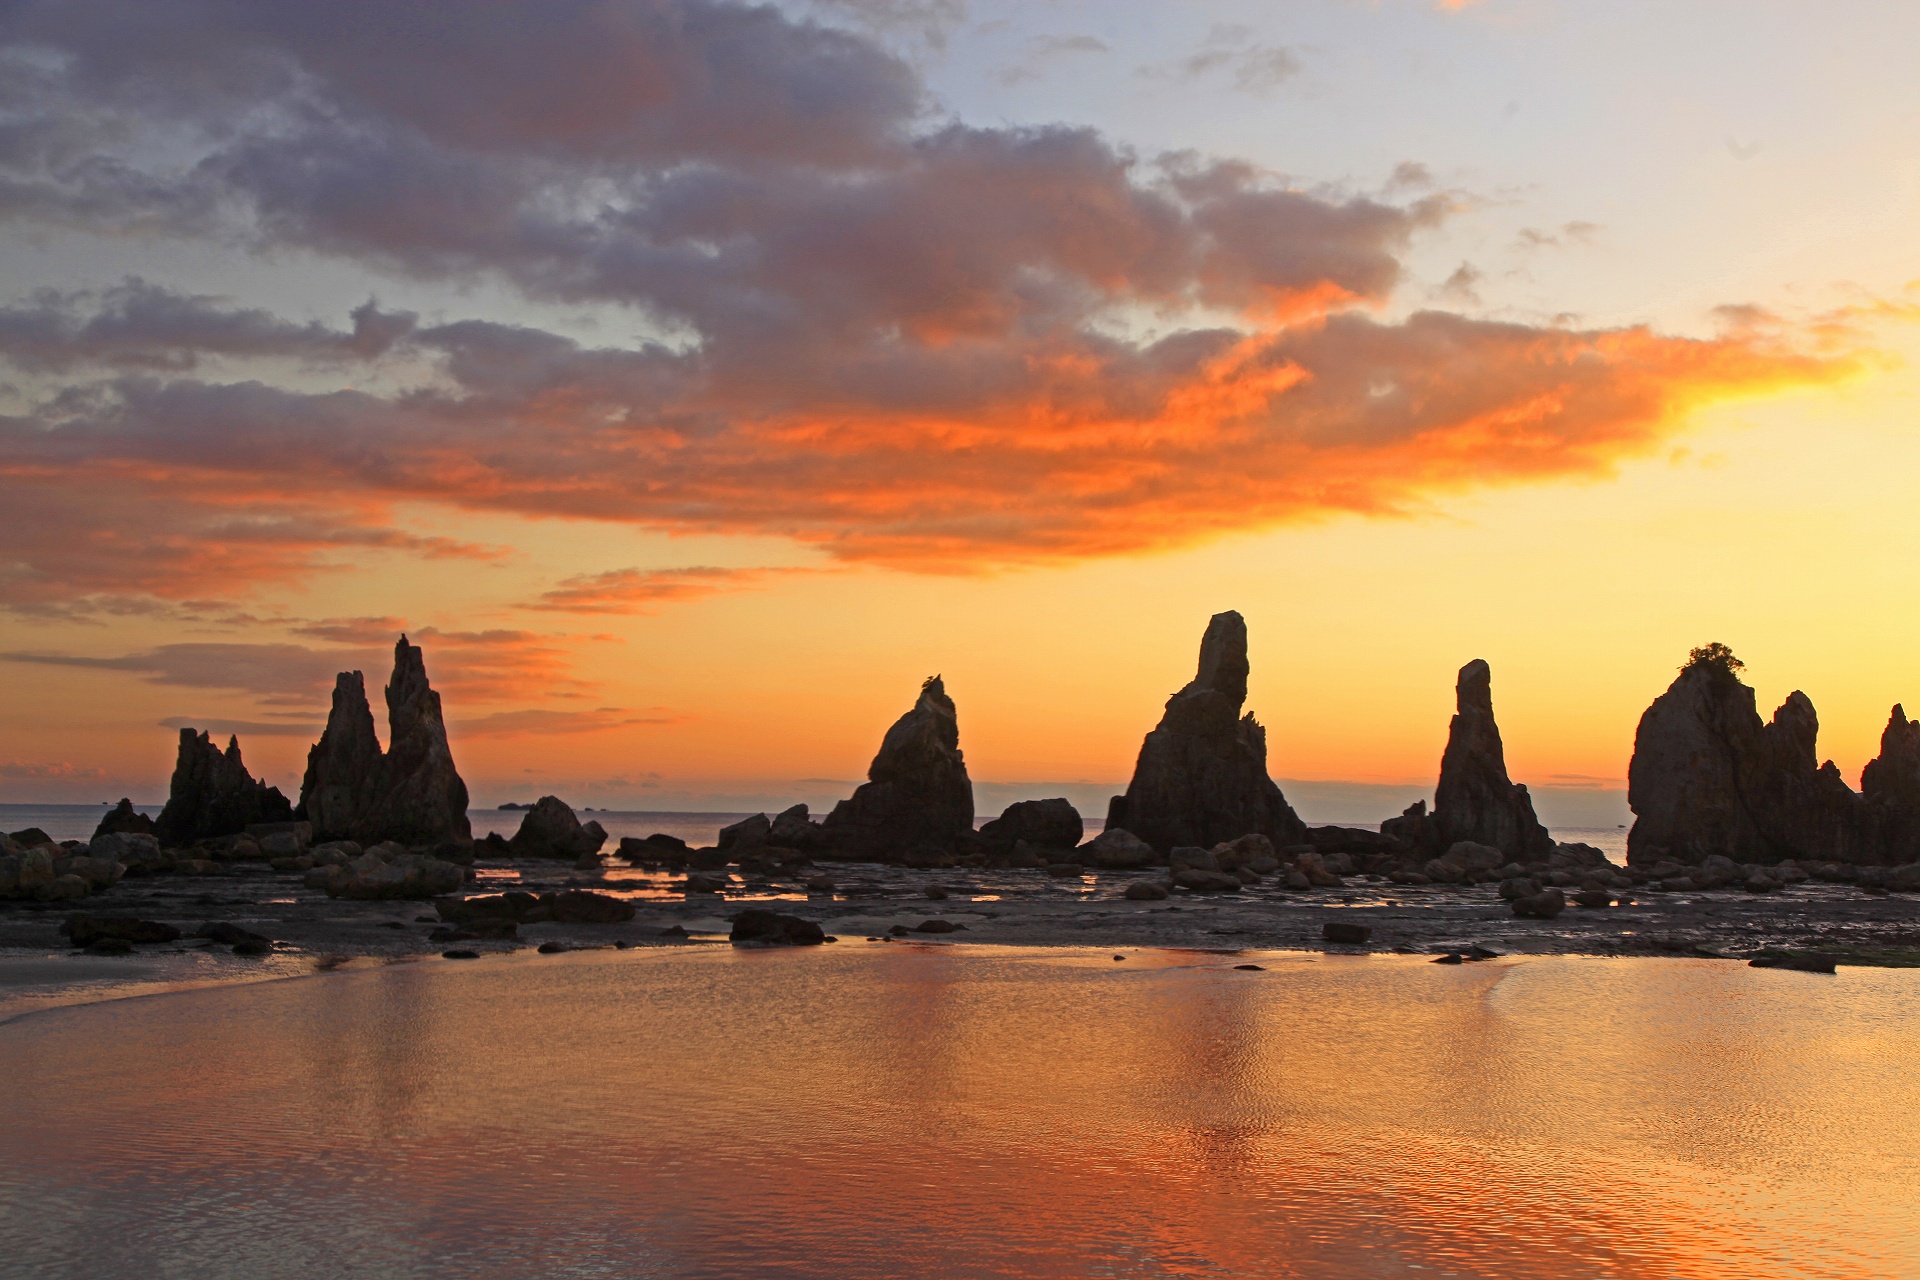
342,781
1202,773
1475,800
917,796
212,794
422,797
412,792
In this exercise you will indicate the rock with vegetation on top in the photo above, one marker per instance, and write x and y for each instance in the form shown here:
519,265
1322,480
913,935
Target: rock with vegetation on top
1708,778
1201,777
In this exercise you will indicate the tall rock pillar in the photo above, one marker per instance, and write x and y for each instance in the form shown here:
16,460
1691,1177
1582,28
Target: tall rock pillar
1201,777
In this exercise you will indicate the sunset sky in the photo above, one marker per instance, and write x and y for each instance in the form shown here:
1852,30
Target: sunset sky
691,379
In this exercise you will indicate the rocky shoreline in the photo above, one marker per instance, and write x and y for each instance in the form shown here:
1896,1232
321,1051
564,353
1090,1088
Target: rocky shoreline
1743,848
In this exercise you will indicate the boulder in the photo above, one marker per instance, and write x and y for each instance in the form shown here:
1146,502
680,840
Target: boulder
1044,824
124,818
1188,858
63,888
30,838
794,828
1115,849
1355,840
578,906
550,830
1196,881
213,795
657,847
771,929
134,850
918,796
699,883
99,873
1254,852
1475,800
1201,777
374,876
745,836
513,905
84,930
23,875
1708,778
1145,891
1544,905
232,935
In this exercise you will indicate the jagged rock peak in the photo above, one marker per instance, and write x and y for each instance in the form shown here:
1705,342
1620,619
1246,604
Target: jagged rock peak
423,799
917,794
1896,770
411,792
1708,778
1201,777
1475,799
343,778
213,795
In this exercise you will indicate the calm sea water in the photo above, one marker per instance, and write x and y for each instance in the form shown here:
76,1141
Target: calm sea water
868,1110
77,821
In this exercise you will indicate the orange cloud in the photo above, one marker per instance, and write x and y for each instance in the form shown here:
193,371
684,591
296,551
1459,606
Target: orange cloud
899,341
637,590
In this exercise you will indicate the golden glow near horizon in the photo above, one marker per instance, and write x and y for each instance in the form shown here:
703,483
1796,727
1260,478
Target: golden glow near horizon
1560,380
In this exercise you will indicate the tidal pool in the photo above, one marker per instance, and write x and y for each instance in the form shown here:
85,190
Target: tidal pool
921,1111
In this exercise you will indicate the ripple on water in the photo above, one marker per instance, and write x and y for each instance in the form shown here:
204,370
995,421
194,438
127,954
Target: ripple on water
932,1112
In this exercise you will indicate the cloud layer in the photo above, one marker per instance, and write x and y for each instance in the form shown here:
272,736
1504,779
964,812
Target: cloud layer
896,338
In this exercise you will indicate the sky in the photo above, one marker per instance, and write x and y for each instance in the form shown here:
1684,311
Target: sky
692,379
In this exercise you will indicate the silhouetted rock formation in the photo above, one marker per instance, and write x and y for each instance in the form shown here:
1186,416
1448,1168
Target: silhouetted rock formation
1890,790
124,818
918,797
1708,778
212,794
550,830
1475,799
411,793
1202,774
423,800
341,789
1044,824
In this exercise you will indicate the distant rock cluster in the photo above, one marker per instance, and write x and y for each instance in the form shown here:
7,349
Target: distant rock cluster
1721,799
1710,780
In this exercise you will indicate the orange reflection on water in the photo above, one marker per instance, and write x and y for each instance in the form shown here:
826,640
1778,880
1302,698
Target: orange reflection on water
957,1111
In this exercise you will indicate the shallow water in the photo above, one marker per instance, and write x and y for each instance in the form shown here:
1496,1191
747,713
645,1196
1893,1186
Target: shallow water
889,1110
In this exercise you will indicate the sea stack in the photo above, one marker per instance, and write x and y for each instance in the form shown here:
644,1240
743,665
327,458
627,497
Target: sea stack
1201,778
918,800
411,793
213,795
1708,777
342,784
1890,790
1475,800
